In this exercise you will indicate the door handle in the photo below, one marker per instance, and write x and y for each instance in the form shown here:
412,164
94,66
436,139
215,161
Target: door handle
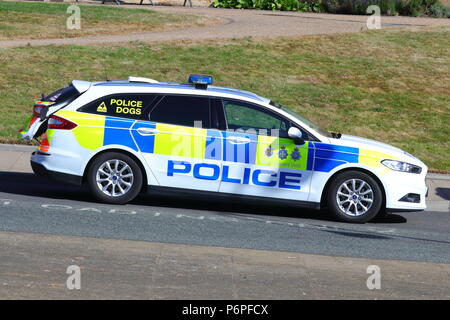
239,140
147,131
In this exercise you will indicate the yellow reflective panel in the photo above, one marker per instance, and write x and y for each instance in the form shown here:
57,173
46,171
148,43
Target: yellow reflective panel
90,128
180,141
50,133
281,152
373,159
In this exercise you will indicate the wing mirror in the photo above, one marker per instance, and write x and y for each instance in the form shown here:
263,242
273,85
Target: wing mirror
296,135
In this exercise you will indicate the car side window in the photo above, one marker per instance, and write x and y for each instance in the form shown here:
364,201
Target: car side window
180,110
125,105
245,116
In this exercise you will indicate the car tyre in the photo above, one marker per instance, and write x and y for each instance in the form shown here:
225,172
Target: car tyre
354,196
114,178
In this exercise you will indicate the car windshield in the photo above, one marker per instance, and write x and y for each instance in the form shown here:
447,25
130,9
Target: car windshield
314,126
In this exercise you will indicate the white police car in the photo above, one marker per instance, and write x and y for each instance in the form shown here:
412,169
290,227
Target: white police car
121,136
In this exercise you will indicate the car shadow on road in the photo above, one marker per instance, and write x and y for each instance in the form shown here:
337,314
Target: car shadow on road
263,208
29,184
444,193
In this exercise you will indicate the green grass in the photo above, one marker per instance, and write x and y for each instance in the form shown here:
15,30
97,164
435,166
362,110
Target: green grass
387,85
38,20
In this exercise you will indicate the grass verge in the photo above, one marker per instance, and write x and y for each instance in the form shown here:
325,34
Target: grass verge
37,20
388,85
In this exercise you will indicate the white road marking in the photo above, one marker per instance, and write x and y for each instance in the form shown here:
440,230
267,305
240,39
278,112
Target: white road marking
240,219
90,209
56,206
191,217
123,211
5,202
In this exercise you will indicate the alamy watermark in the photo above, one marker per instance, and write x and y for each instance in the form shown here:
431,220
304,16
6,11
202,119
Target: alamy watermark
74,279
190,141
73,22
374,21
374,280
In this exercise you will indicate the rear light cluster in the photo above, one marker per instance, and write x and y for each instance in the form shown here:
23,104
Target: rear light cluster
56,122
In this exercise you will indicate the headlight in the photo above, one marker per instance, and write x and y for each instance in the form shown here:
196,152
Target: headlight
401,166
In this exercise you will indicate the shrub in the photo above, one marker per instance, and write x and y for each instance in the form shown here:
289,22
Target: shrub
238,4
360,6
331,6
439,11
284,5
390,7
423,7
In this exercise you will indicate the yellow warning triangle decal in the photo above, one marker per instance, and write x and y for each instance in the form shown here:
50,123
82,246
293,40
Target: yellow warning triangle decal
102,107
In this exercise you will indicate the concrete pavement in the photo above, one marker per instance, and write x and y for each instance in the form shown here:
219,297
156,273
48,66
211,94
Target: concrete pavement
16,158
33,266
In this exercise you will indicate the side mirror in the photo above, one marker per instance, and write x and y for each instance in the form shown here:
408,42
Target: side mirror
296,135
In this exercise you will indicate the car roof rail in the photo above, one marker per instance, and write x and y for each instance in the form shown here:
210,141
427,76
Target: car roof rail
141,79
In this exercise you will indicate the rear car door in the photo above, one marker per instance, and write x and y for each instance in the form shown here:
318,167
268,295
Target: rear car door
179,143
259,158
117,115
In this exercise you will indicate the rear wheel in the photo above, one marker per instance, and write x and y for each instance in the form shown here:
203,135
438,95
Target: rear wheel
114,178
354,196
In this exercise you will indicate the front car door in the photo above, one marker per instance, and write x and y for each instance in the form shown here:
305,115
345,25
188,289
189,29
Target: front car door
258,157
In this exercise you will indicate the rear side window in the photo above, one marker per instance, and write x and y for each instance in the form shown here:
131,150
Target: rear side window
125,105
183,111
68,93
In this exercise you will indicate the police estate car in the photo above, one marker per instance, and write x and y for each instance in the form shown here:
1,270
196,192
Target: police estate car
121,136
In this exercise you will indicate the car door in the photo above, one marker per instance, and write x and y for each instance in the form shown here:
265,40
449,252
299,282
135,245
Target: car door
183,153
258,157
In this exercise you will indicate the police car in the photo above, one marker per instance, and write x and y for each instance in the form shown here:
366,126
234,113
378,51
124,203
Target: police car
120,137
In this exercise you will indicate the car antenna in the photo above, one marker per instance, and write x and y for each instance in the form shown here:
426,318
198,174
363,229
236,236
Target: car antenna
106,74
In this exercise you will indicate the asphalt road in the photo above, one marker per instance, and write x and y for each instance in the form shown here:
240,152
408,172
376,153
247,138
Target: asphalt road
32,204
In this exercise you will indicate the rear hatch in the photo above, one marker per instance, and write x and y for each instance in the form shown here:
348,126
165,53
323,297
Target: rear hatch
44,108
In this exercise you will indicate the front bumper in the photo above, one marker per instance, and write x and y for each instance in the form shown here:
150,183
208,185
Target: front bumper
405,191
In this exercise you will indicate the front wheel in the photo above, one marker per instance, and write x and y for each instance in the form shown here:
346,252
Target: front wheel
354,196
114,178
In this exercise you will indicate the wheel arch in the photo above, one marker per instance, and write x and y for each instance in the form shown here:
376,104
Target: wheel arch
368,172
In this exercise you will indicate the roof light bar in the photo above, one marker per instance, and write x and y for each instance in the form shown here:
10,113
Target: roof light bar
201,81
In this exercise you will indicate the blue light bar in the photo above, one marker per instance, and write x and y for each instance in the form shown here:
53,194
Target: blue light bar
200,80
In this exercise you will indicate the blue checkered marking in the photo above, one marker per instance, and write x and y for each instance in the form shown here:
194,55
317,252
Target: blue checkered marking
239,152
145,143
117,131
329,156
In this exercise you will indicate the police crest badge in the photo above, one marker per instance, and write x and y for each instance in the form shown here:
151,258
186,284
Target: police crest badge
295,155
269,151
282,153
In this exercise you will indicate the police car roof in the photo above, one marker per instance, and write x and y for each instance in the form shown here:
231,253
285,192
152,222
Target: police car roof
186,86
